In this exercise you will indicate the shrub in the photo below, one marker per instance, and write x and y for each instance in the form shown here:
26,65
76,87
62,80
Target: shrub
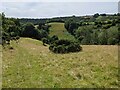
17,37
96,15
112,41
65,46
45,41
53,39
29,31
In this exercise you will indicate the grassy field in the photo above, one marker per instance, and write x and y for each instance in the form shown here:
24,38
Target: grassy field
59,30
0,66
32,65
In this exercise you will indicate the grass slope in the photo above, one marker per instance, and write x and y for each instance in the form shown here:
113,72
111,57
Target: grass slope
59,30
32,65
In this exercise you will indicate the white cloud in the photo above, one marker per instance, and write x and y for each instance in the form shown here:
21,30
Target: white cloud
50,9
60,0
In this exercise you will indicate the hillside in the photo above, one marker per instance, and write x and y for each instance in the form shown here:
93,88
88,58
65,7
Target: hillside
32,65
59,30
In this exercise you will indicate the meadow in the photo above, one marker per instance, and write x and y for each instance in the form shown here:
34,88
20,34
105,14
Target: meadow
31,65
58,29
32,57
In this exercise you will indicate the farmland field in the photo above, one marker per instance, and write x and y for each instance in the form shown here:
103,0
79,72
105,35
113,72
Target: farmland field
31,65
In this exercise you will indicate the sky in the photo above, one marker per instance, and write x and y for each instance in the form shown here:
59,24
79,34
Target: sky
48,9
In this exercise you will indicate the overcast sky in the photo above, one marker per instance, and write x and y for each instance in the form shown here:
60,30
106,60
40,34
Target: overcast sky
55,9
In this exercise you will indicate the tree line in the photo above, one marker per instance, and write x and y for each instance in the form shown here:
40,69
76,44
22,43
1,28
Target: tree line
12,29
104,30
99,29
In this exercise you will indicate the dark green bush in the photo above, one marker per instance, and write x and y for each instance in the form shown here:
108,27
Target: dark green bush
45,41
65,46
52,39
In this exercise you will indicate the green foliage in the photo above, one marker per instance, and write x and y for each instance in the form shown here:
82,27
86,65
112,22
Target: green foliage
106,26
65,46
29,31
96,29
45,41
43,26
91,35
71,25
32,32
113,35
14,31
112,41
97,32
55,20
83,34
103,14
11,28
94,37
54,38
96,15
49,40
103,37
